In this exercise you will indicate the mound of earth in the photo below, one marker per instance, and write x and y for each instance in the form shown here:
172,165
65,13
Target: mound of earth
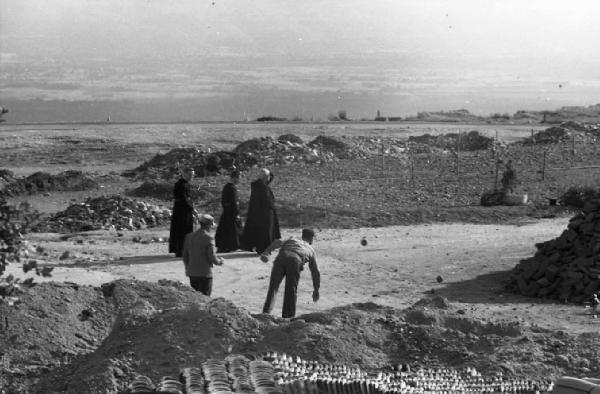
67,338
42,182
56,322
460,115
267,151
291,138
118,212
566,268
471,141
340,148
6,177
564,132
201,159
161,190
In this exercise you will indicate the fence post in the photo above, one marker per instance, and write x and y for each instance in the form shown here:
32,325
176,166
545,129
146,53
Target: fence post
572,149
544,166
334,171
458,155
382,160
497,165
412,167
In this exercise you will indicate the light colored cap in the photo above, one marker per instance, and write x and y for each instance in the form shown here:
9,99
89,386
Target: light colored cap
206,219
265,171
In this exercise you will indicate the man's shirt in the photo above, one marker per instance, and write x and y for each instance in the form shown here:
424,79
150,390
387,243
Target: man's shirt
304,250
199,254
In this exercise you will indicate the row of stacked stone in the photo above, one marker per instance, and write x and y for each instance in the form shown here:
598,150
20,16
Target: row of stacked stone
234,374
112,212
297,376
566,268
282,374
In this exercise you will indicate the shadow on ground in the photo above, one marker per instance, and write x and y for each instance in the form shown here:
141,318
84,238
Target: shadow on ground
484,289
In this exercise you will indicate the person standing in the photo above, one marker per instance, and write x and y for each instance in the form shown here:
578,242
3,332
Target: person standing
199,256
262,224
509,178
228,232
182,219
293,255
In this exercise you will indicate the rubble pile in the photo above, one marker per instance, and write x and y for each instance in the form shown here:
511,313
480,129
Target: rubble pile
268,151
280,373
568,267
115,212
41,182
470,141
340,148
390,145
169,165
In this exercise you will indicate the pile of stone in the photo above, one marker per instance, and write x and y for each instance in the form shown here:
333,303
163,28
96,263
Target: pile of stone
42,182
115,212
279,373
566,268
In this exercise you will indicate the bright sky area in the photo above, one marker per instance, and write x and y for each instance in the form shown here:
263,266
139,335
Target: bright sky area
313,56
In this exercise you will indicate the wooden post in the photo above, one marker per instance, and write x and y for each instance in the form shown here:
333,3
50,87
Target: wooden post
458,155
412,168
544,166
334,171
572,149
382,160
496,180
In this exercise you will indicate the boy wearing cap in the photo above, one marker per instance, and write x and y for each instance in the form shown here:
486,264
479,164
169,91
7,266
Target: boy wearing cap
199,256
293,254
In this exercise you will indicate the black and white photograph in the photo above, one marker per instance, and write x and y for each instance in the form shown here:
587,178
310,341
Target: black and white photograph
300,197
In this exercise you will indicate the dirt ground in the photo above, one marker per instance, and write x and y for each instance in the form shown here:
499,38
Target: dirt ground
398,266
367,296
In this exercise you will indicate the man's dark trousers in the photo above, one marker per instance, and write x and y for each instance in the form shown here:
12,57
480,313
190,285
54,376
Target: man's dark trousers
201,284
288,265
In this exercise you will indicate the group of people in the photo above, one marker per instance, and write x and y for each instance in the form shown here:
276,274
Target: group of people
260,234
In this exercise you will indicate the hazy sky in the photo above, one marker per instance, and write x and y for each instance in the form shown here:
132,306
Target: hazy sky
307,57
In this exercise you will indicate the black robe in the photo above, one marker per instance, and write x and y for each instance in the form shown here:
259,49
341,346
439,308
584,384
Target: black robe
262,225
227,236
182,220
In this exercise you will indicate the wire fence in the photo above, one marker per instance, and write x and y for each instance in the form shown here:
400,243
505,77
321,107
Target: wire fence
390,180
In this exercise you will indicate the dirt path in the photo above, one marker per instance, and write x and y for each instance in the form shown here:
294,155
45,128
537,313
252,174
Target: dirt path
397,267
